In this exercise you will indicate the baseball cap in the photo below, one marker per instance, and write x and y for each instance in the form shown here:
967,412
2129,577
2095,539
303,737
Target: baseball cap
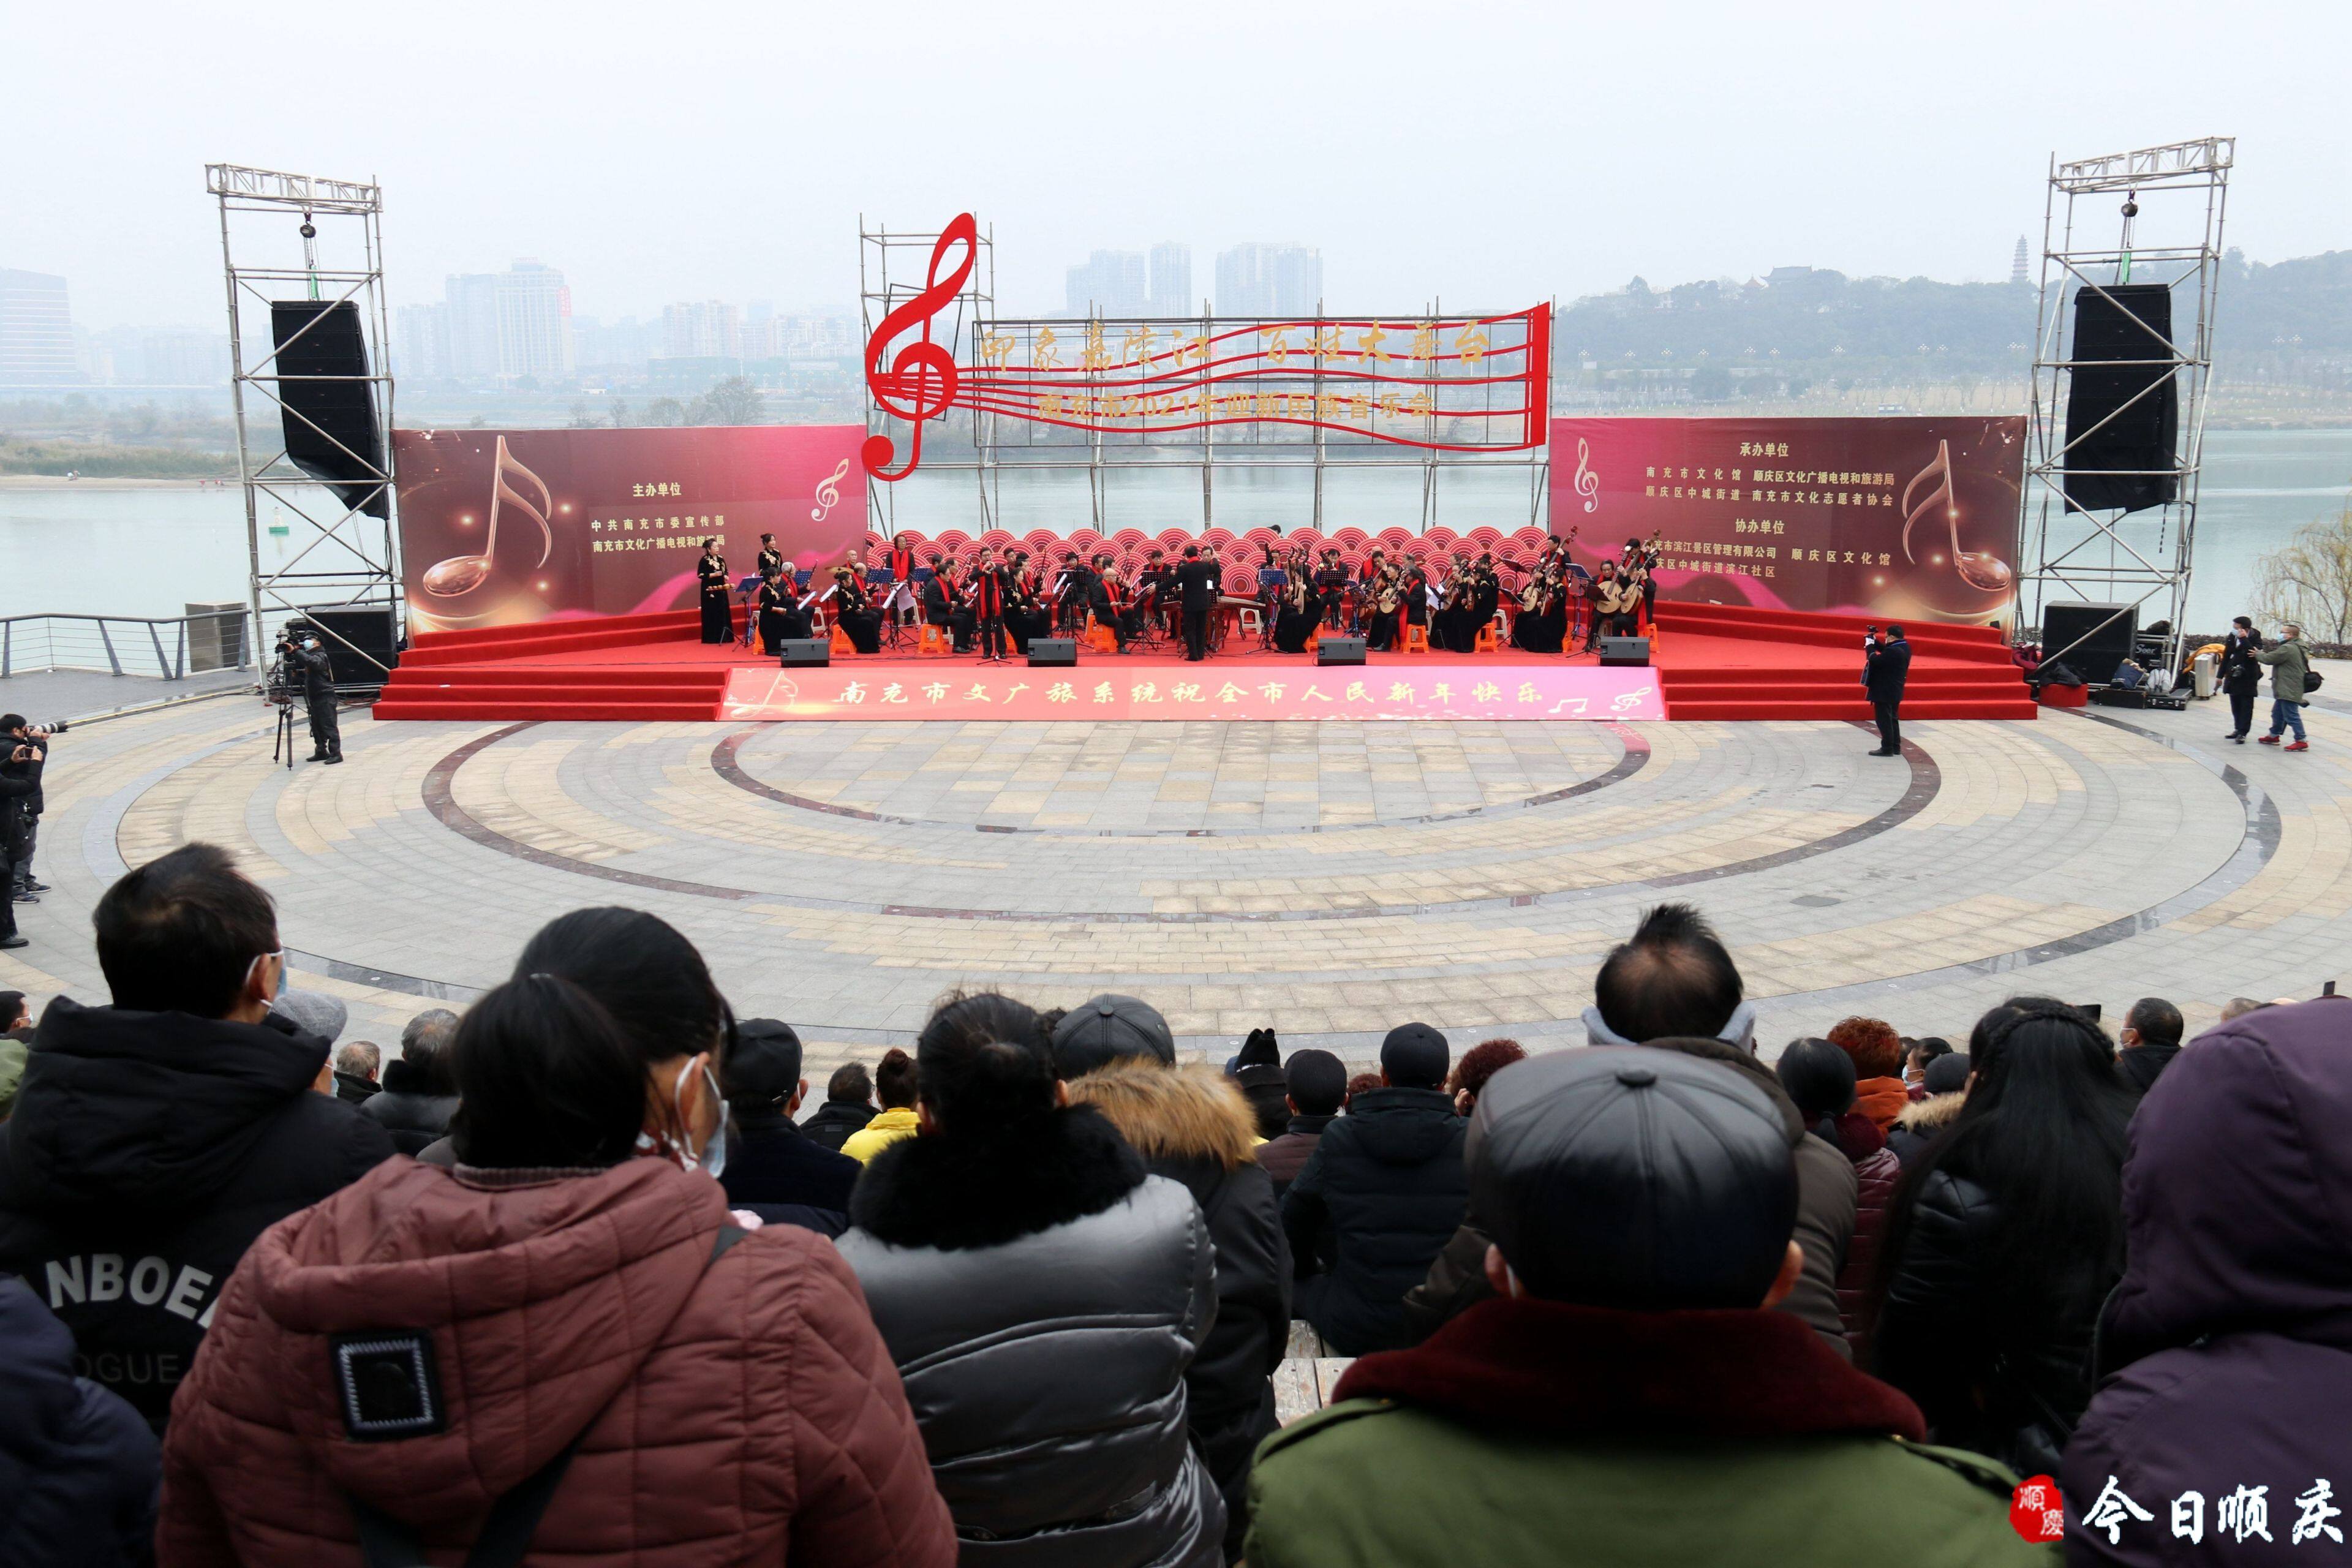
765,1062
1103,1028
1635,1179
1416,1055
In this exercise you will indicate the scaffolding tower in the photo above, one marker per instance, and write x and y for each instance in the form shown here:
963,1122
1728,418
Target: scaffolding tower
2164,225
880,292
293,236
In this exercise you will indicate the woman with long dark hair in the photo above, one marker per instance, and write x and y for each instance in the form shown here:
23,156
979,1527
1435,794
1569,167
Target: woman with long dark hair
1043,1297
2004,1237
564,1340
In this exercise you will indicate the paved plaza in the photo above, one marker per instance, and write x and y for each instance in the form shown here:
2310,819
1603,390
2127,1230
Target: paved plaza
1327,879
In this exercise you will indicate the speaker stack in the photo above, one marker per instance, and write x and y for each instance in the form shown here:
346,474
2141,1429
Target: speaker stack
1339,650
327,403
1052,653
2123,407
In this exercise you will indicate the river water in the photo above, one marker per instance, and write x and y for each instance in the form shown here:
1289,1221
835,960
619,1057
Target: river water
151,549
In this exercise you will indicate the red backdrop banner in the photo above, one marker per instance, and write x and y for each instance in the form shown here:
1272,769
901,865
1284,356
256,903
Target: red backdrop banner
501,526
1899,516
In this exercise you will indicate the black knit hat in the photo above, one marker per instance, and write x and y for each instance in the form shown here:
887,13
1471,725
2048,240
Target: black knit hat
1635,1179
766,1063
1416,1055
1104,1029
1947,1074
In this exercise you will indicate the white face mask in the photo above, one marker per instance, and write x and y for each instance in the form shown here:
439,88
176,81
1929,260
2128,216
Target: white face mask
712,1160
262,958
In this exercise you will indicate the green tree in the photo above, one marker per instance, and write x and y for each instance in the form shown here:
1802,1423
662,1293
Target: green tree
665,412
620,413
2309,582
584,414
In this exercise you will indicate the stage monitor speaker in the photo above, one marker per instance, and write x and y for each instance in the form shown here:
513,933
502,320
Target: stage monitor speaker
806,653
327,403
359,644
1339,650
2127,462
1048,653
1624,650
2106,644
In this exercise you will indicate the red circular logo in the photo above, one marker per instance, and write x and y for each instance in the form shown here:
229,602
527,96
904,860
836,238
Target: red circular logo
2036,1511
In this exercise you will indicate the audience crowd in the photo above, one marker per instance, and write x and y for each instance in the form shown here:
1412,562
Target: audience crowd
586,1275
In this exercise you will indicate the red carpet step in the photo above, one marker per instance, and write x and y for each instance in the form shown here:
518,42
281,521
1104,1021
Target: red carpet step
1722,662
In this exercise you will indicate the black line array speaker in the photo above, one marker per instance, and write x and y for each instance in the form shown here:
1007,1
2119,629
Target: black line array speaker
2106,630
1624,650
1339,650
1048,653
331,430
359,644
2127,463
806,653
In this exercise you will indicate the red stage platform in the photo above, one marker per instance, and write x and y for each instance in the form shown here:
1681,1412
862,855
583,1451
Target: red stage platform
1711,662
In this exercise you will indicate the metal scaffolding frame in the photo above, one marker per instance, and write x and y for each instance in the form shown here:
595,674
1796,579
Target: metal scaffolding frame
2179,192
1208,450
345,558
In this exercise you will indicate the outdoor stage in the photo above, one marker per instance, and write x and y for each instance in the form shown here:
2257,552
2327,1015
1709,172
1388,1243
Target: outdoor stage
1709,662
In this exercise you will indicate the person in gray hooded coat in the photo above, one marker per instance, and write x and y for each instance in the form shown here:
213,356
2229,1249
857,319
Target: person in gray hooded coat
1043,1297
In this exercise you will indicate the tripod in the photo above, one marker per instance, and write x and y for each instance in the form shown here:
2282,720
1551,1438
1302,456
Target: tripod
285,742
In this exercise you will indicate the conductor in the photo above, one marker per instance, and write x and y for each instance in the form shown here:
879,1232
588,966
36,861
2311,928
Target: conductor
1889,664
1197,580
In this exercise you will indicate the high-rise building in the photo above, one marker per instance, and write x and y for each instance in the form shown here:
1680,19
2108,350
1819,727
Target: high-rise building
1110,283
2017,273
420,341
534,322
36,334
1171,280
1269,280
702,329
472,301
183,357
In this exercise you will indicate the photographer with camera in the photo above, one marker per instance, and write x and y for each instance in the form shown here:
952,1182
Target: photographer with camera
303,662
20,782
14,730
1887,665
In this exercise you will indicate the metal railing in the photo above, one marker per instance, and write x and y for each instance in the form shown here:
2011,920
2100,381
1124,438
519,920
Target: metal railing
164,649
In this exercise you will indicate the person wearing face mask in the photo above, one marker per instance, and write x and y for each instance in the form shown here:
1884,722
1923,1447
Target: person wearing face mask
563,1343
153,1140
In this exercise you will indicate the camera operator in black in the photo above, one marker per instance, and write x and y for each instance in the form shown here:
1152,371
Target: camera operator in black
20,781
14,732
306,660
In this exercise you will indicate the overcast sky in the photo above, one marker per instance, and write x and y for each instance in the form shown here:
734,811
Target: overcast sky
1490,155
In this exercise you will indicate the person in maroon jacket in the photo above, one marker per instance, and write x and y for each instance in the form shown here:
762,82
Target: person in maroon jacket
564,1340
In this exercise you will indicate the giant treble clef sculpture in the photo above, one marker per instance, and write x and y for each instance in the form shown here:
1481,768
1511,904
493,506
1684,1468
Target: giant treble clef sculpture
922,378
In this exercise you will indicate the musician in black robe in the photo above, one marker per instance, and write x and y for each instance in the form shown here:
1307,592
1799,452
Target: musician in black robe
1455,627
1331,588
771,560
1385,593
853,608
1416,594
1487,590
718,615
779,613
1297,613
1542,619
944,605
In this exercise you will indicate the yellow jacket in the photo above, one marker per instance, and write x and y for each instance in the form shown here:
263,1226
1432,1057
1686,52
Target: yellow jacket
880,1133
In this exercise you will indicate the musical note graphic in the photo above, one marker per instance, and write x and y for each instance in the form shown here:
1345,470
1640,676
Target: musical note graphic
1588,483
828,491
922,379
1562,706
462,574
1978,568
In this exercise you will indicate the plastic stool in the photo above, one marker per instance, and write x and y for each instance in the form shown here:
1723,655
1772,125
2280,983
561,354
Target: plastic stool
1416,639
935,640
1486,642
839,644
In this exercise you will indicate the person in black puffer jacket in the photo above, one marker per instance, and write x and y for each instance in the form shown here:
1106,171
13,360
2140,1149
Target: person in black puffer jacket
1194,1127
848,1107
1379,1196
153,1140
2003,1237
420,1094
78,1467
1043,1296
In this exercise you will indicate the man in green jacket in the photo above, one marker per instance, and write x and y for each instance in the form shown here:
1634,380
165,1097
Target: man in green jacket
2289,664
1627,1399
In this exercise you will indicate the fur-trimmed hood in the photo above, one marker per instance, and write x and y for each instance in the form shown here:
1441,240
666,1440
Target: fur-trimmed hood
986,1187
1931,1116
1173,1113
